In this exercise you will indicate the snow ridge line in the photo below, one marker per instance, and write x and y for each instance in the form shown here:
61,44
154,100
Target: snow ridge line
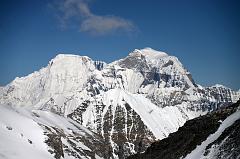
199,150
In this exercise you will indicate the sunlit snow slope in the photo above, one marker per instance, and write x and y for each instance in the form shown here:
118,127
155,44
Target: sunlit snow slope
40,134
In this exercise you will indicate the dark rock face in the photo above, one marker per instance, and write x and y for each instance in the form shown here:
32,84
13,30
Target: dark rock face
228,144
193,133
121,129
77,114
54,141
134,62
60,143
99,65
170,62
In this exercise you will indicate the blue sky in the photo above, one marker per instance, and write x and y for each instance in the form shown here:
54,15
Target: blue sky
204,35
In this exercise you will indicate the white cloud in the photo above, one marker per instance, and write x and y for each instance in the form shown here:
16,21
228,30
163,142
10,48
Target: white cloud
105,24
79,11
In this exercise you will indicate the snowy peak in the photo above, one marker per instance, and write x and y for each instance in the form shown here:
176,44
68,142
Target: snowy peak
63,55
146,59
148,53
68,73
69,61
157,66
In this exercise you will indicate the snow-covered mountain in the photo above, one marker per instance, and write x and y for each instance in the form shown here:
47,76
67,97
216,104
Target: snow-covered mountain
129,103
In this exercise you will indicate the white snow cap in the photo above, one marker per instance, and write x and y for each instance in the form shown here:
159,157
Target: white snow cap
70,61
148,52
61,56
219,86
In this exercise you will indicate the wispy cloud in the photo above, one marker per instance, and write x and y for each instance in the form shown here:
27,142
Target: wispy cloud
79,12
105,24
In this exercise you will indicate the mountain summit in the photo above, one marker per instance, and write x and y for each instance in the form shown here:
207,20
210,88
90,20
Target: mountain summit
126,104
149,53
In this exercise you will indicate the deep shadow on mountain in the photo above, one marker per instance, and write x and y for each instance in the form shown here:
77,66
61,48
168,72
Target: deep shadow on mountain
193,133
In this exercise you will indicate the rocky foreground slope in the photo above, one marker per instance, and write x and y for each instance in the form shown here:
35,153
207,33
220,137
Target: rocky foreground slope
128,103
215,135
